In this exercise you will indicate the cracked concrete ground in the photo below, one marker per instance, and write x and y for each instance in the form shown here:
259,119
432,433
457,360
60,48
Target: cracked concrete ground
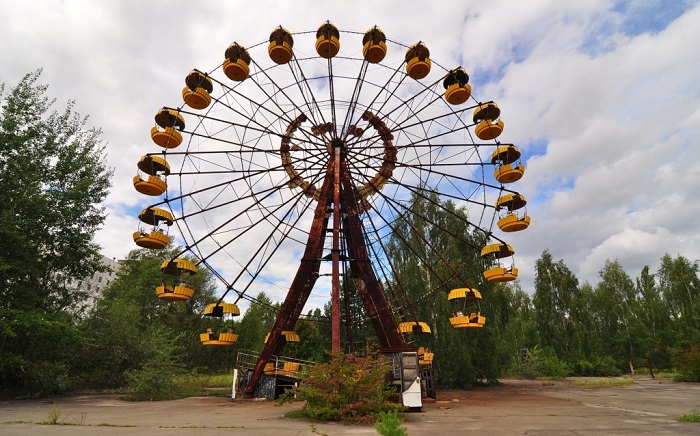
516,407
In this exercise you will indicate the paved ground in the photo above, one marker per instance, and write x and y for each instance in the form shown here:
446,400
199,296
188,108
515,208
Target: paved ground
515,408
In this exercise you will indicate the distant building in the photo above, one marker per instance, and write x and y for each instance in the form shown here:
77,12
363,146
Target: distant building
92,287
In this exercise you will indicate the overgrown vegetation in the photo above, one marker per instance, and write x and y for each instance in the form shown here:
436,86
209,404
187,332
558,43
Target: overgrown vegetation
605,382
693,416
389,424
688,364
53,180
348,389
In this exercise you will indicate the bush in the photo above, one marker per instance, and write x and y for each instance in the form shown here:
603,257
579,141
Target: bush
541,363
348,389
155,379
599,367
389,424
688,364
152,382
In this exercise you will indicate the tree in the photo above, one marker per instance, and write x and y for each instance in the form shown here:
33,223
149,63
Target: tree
679,285
256,323
655,322
432,250
556,288
130,326
53,179
619,309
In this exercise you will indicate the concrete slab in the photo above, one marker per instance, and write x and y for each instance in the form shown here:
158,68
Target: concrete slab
517,407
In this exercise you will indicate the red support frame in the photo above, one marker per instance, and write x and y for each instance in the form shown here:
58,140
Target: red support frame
339,191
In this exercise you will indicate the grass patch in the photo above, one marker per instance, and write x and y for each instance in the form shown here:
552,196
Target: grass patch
693,416
188,385
605,382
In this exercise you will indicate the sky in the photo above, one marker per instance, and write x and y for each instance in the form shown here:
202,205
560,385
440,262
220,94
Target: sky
602,98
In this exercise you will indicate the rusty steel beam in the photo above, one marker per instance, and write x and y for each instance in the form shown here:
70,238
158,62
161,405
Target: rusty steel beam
301,286
335,254
368,286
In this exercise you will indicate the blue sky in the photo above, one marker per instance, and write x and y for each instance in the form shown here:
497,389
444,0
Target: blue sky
602,98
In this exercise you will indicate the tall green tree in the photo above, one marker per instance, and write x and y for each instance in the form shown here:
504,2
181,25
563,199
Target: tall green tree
556,290
433,250
679,284
53,179
256,323
129,325
619,311
655,332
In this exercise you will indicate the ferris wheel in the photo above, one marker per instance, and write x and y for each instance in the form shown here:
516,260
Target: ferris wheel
295,160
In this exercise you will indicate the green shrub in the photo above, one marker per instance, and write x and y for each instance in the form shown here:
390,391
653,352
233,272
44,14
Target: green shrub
541,363
348,388
693,416
152,382
688,364
389,424
156,378
599,367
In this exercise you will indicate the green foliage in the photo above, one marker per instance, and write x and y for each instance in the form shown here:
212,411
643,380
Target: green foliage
348,388
555,301
29,367
679,283
598,366
155,379
432,251
256,323
130,307
693,416
53,178
389,424
53,416
605,382
541,362
688,364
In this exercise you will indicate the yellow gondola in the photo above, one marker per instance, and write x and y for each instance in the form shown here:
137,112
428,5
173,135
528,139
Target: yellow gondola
289,368
156,238
457,87
425,356
510,221
488,126
221,309
473,320
497,272
281,43
156,168
414,327
197,90
508,169
181,292
471,298
237,63
223,339
176,267
165,133
418,61
327,40
287,335
374,45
